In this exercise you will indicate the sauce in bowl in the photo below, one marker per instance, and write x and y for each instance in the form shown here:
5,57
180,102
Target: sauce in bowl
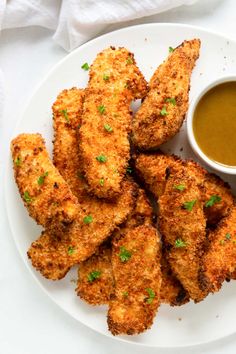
214,123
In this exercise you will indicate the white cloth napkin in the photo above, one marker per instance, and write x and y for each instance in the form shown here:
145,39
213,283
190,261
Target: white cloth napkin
76,21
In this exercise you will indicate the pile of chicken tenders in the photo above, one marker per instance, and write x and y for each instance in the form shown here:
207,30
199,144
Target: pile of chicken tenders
143,227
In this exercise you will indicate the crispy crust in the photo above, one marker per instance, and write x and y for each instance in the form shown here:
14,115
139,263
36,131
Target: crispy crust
50,200
99,291
131,313
124,82
219,260
178,223
170,80
154,168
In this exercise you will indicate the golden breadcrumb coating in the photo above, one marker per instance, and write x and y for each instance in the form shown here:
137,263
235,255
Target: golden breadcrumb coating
219,259
136,268
163,110
95,282
98,292
53,256
172,291
153,169
115,81
45,193
183,227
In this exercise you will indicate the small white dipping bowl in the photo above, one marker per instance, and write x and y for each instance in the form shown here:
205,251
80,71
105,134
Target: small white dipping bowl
197,150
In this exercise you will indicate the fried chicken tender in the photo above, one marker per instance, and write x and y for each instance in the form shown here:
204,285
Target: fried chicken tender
153,169
136,267
172,291
114,82
163,110
98,292
44,192
219,259
183,227
53,256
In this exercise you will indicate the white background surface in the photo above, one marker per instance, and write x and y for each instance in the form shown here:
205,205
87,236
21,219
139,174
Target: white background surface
29,322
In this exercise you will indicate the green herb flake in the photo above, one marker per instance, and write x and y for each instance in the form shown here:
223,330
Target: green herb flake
85,66
129,60
171,49
70,250
124,254
108,128
88,219
101,182
228,236
80,175
18,161
95,274
101,109
27,197
125,293
101,158
171,100
180,243
65,114
129,170
151,294
106,77
213,200
180,187
222,242
42,178
189,205
164,111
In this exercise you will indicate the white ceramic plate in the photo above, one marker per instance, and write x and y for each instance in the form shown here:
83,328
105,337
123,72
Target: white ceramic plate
189,324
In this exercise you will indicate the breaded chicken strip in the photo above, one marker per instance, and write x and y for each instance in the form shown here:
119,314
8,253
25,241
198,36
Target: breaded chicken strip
219,259
53,256
154,168
45,193
172,291
163,110
182,225
95,278
115,81
136,267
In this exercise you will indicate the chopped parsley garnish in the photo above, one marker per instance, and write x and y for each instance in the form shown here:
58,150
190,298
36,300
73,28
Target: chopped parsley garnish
65,114
101,109
70,250
80,175
171,100
180,187
180,243
88,219
18,161
151,294
228,236
101,158
42,178
129,60
171,49
27,197
108,128
222,242
124,254
189,205
129,170
95,274
101,182
164,111
106,77
125,293
213,200
85,66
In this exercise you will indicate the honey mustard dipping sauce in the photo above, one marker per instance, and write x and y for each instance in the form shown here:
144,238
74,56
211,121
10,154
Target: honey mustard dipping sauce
214,123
